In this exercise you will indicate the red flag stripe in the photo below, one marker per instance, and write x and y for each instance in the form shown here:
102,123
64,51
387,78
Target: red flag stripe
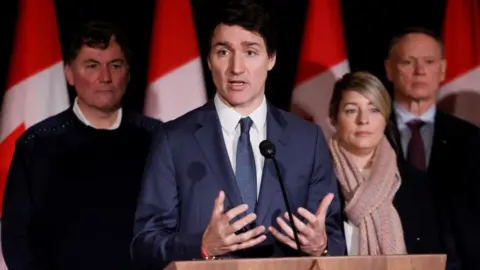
174,39
35,74
36,44
461,37
7,147
323,43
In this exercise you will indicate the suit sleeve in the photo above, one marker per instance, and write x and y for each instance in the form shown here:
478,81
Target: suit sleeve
465,208
322,182
157,242
454,261
16,217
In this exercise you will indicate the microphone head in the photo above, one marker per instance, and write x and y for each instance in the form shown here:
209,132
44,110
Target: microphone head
267,149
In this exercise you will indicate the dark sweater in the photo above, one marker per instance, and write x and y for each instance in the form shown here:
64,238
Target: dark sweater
71,194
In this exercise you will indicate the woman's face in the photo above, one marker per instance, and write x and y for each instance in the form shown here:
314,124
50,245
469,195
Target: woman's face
360,125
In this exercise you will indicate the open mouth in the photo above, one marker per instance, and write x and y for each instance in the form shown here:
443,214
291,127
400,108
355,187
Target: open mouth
236,82
237,85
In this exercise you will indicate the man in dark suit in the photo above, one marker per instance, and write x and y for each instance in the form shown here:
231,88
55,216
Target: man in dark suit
439,144
208,192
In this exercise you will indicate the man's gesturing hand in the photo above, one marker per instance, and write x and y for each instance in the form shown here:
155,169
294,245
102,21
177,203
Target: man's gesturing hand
313,235
219,238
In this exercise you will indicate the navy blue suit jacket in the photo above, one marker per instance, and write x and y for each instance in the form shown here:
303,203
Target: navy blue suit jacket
189,165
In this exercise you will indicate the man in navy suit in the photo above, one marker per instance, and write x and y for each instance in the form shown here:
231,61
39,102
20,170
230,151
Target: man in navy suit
208,193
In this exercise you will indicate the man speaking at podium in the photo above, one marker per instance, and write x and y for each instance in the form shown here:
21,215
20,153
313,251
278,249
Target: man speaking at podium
208,193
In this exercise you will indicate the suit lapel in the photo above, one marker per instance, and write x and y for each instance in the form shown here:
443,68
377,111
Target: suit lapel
439,144
276,127
393,135
210,139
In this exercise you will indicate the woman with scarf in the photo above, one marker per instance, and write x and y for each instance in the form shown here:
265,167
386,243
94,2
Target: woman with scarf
388,206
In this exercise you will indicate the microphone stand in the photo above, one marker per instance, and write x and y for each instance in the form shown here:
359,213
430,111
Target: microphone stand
287,203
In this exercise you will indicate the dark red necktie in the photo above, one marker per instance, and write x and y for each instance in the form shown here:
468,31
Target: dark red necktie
416,147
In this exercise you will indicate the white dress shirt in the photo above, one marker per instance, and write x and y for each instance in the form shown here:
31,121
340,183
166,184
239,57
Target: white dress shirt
83,119
403,117
352,237
229,120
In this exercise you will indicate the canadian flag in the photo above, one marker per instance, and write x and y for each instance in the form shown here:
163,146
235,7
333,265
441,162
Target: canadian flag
175,76
36,86
322,61
460,93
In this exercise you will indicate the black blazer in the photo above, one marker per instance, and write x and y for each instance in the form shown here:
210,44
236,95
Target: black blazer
454,142
454,173
414,204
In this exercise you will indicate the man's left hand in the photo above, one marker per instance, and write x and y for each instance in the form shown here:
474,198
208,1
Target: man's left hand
312,236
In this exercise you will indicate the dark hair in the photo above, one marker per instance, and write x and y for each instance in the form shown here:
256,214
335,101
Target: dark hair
97,34
248,14
415,30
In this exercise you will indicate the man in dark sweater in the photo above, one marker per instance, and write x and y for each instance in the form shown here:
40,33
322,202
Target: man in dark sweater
72,188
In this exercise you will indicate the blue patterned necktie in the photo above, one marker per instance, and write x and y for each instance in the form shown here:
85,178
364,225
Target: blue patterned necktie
245,172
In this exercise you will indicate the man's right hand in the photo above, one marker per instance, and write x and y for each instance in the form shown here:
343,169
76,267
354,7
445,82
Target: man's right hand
220,238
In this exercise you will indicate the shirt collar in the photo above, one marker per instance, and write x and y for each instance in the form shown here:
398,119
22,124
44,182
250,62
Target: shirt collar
229,118
403,116
83,119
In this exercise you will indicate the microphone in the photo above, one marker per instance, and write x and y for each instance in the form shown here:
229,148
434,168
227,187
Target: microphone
267,149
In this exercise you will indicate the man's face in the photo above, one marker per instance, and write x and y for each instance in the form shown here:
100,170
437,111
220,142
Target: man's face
416,67
239,63
100,76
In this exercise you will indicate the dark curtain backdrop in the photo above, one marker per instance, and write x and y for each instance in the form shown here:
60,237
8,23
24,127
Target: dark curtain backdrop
369,24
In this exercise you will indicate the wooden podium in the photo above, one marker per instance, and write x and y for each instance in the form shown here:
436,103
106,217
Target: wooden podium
396,262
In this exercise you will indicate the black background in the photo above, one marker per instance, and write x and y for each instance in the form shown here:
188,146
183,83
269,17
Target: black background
368,26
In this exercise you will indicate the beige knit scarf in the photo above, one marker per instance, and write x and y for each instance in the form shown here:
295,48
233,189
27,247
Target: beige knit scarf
369,202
